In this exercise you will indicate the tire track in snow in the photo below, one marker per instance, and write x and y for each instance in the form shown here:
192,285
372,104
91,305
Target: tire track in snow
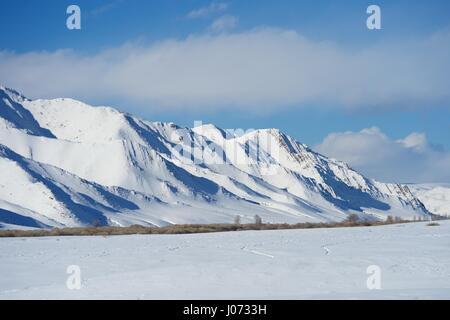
257,252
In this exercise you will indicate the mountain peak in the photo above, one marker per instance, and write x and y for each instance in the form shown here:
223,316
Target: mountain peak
14,115
13,94
212,132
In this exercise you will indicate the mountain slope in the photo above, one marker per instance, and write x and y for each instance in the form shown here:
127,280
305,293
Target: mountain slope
435,197
167,174
14,115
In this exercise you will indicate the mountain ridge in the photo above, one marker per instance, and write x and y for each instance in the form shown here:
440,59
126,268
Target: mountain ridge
170,174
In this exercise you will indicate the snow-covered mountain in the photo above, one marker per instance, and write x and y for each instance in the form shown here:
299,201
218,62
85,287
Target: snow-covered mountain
65,163
435,197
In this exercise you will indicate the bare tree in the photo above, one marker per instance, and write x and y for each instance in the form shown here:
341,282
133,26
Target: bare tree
258,220
237,220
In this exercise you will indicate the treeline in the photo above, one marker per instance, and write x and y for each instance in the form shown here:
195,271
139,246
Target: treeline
352,221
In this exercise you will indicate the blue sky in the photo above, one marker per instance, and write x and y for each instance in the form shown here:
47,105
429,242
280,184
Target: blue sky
39,25
398,107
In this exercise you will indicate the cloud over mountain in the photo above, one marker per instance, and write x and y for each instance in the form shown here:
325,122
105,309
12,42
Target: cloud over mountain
411,159
261,69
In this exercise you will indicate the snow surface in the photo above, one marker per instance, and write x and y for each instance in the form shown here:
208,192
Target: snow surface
435,197
414,260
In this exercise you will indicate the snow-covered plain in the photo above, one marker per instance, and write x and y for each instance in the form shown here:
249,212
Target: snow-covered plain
414,260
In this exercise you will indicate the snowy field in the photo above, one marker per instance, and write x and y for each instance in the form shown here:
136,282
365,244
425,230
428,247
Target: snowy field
414,260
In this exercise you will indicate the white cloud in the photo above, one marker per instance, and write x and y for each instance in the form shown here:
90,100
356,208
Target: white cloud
411,159
215,7
224,23
416,141
261,70
106,7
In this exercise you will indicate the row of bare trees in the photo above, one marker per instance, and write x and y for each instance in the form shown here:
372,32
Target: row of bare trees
257,220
